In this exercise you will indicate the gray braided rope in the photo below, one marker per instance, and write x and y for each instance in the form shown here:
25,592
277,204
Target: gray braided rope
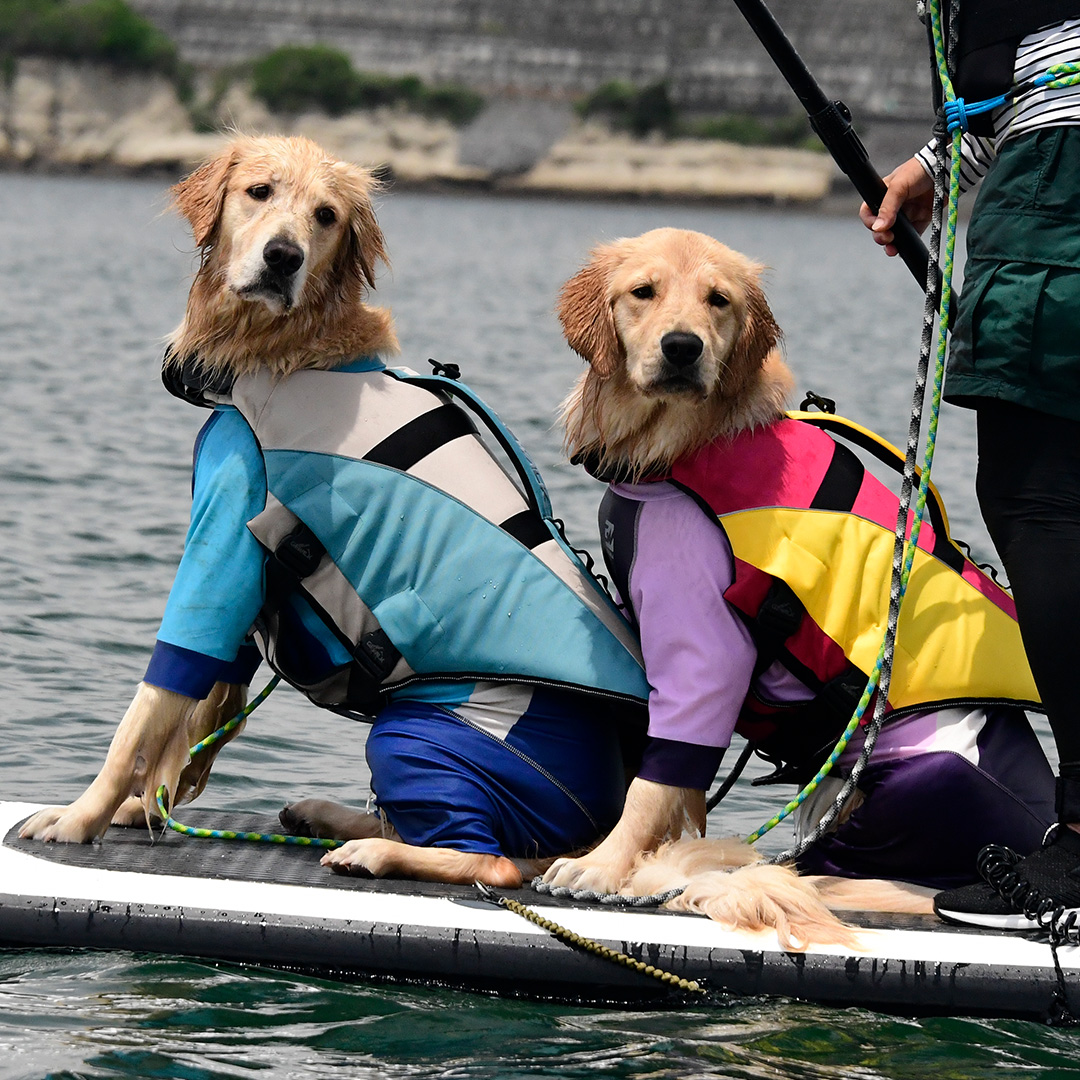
563,892
873,728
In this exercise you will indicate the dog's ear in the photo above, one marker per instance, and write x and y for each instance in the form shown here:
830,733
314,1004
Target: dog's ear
760,332
366,245
587,318
200,196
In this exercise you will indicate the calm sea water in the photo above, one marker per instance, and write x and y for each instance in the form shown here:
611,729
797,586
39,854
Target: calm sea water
94,475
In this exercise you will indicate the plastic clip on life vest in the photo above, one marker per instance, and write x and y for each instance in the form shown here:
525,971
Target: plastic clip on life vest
808,736
300,552
376,655
447,371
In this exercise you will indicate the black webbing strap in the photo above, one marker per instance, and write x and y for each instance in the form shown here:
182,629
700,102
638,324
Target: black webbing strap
528,528
296,557
421,436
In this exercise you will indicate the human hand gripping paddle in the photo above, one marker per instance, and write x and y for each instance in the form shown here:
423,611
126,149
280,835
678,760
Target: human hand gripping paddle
898,208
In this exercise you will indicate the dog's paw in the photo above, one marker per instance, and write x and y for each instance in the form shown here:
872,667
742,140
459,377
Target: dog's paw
369,858
62,824
293,821
131,813
581,875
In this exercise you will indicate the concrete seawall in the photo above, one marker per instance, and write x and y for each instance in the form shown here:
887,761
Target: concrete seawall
871,53
531,60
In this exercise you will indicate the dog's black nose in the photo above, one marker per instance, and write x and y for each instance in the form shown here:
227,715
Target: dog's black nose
681,349
283,256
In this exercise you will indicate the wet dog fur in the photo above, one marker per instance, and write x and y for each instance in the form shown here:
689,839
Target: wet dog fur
288,245
682,349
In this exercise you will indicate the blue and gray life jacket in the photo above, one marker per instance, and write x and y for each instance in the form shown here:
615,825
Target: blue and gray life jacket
391,519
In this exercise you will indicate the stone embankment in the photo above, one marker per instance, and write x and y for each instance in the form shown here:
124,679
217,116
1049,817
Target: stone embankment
81,116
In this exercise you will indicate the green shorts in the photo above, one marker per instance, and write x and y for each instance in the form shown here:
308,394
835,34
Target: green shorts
1017,333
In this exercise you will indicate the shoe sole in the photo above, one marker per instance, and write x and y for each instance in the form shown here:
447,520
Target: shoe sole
1012,921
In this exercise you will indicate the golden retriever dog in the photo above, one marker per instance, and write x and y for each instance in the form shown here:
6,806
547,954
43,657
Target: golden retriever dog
289,246
682,349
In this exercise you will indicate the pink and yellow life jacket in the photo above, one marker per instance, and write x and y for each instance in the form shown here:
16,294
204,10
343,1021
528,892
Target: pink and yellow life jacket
812,533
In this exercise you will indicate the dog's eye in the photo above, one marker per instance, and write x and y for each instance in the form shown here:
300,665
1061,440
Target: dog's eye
325,215
643,292
259,192
718,300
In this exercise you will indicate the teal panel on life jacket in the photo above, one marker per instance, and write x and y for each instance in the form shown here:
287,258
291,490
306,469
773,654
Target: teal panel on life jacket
455,593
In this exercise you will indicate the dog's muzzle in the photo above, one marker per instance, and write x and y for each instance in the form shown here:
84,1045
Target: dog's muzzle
680,371
277,279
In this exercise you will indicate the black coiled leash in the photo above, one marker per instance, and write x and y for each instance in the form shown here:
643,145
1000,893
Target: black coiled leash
995,865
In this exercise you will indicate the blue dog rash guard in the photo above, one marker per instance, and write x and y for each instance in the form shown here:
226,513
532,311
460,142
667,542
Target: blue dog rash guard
453,764
218,588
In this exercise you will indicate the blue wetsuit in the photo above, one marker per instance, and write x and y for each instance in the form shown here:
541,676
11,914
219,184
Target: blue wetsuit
481,767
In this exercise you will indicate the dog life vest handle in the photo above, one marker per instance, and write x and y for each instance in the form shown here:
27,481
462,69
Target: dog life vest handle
831,121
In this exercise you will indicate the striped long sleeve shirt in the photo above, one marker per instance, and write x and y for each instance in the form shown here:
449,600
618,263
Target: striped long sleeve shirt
1031,110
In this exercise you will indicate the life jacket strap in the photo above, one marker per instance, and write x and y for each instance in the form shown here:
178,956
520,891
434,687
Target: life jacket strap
780,615
799,749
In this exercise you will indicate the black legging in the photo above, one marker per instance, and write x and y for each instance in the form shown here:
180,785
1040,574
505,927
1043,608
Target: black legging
1029,492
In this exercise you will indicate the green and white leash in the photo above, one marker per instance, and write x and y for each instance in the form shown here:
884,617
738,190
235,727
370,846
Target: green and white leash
230,834
904,545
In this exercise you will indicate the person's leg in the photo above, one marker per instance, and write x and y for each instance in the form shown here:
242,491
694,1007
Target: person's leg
1029,493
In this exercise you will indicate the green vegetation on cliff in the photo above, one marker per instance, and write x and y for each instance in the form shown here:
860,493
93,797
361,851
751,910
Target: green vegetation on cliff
298,77
106,30
647,110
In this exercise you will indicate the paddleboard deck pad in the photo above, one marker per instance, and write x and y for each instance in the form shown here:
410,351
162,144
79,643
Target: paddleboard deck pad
273,905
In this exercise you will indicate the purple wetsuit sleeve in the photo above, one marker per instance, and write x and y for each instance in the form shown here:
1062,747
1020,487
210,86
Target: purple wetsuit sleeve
699,656
680,764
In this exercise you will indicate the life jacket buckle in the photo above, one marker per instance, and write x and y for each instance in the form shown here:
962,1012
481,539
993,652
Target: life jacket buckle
781,613
300,552
376,655
826,405
841,695
447,371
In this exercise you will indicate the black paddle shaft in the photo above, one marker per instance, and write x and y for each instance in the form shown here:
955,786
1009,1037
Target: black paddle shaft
831,120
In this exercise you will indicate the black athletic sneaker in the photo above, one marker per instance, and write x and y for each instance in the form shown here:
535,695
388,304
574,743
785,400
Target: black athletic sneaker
1021,894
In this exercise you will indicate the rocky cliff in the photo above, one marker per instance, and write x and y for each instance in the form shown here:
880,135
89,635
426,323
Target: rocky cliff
63,115
871,53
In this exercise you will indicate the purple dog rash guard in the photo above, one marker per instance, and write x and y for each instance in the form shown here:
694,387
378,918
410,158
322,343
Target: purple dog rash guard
671,566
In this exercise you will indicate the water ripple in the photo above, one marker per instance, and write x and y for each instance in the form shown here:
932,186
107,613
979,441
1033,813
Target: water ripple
95,490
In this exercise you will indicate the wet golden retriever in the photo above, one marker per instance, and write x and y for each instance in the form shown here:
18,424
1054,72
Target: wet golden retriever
682,348
289,246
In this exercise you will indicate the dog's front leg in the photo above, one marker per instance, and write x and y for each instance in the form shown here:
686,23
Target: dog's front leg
146,737
652,814
224,701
